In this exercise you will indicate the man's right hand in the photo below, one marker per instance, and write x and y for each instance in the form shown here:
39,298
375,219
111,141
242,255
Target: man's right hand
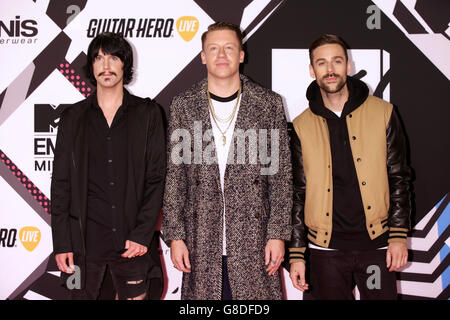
180,256
297,276
63,265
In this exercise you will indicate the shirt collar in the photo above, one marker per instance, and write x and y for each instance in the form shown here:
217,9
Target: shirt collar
122,108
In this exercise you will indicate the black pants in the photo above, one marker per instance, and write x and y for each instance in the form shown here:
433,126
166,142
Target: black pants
226,289
129,277
333,275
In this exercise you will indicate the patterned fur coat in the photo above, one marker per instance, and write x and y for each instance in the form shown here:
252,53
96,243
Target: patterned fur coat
258,204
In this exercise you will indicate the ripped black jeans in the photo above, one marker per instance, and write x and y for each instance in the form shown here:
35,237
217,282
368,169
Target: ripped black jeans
129,277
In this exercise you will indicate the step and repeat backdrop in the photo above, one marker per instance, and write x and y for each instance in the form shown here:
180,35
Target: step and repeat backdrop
400,48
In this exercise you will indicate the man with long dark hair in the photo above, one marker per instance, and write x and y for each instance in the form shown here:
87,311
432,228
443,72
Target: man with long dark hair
108,178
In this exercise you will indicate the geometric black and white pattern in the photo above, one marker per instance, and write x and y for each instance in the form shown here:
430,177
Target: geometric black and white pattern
43,48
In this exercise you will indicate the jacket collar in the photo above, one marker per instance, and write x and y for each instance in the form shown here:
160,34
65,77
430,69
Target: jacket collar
199,90
246,117
126,102
357,90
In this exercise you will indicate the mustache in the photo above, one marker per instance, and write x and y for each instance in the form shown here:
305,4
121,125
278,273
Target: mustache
110,72
331,75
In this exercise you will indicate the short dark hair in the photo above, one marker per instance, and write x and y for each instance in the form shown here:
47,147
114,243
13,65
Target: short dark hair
115,45
327,39
223,26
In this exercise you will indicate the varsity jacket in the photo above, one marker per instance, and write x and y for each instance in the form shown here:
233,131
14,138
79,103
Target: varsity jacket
378,149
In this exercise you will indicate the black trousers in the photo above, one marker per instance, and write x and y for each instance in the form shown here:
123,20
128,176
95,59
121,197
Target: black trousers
226,289
129,277
334,274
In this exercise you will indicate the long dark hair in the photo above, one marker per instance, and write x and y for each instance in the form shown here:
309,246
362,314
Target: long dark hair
115,45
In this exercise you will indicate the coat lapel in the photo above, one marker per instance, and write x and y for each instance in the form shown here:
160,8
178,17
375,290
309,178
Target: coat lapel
247,118
202,114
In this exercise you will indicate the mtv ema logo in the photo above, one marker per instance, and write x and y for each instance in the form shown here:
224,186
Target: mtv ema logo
46,119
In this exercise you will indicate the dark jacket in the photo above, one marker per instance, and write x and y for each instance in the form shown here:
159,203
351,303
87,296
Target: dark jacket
378,152
145,183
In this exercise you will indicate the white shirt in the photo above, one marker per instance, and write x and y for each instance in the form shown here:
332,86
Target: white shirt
338,113
223,108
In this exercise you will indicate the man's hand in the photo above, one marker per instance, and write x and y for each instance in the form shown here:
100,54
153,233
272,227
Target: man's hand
274,255
396,256
61,262
297,276
133,249
180,256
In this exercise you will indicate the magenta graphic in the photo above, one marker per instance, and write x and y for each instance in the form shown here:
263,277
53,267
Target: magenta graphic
27,183
75,78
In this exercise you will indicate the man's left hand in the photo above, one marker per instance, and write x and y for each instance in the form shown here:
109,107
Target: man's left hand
396,256
274,255
134,249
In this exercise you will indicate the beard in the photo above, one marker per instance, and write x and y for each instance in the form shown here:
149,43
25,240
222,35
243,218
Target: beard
334,87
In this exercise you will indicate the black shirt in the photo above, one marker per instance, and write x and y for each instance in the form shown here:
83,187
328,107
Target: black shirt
107,179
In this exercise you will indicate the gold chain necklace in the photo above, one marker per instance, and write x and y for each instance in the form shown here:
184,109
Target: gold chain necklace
229,119
216,116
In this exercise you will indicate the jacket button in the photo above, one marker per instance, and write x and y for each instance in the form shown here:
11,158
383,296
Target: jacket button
371,226
369,207
363,183
327,214
350,115
373,232
324,241
257,215
353,138
326,233
359,159
328,190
